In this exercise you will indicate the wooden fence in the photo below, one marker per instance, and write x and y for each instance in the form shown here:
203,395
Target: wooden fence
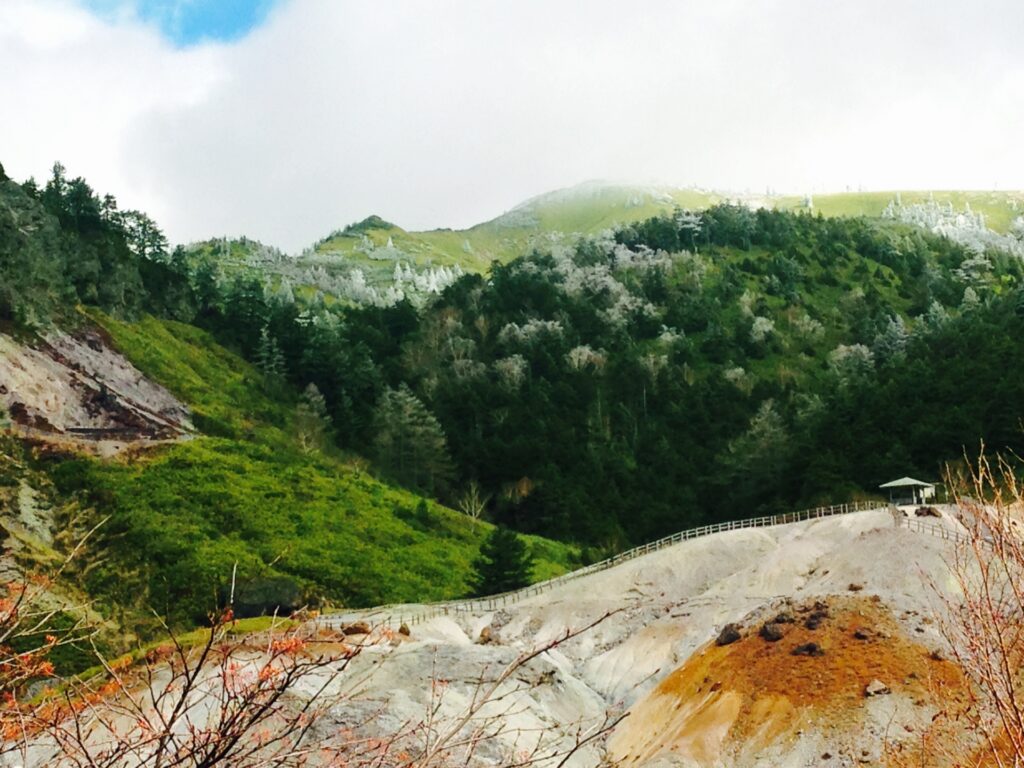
394,616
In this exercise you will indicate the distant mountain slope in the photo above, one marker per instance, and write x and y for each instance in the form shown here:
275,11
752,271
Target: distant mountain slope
999,208
593,207
585,209
376,261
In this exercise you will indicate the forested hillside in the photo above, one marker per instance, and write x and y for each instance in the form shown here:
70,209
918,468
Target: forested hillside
601,388
260,495
689,367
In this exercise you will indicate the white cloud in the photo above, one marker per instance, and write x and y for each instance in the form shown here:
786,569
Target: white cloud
446,113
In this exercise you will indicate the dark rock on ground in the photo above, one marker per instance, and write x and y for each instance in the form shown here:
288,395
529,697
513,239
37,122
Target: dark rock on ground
808,649
730,634
359,628
771,632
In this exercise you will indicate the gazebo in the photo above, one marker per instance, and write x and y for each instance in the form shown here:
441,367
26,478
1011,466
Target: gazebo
907,490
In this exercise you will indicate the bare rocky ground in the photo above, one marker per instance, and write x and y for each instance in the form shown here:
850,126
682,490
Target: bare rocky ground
850,601
809,644
77,391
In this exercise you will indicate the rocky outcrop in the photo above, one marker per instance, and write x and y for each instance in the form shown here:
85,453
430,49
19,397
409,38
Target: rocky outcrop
77,388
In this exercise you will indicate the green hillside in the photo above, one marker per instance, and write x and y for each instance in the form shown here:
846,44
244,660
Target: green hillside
590,367
681,372
1000,208
181,516
586,209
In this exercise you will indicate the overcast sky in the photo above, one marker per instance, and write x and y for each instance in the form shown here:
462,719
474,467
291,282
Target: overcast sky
286,120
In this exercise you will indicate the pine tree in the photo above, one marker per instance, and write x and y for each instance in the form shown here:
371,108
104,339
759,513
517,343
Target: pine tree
410,443
144,237
891,344
269,358
505,563
312,422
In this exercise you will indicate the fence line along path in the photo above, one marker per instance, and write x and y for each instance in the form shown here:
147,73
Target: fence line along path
394,616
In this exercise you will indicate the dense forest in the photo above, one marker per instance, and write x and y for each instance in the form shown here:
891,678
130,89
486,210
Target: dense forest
692,367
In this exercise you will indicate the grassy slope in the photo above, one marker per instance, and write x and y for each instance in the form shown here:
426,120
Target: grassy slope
585,209
588,209
183,514
998,207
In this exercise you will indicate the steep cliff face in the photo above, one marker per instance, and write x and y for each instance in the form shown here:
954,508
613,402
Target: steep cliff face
74,388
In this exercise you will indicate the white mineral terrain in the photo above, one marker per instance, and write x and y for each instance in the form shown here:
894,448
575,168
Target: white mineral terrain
859,587
834,658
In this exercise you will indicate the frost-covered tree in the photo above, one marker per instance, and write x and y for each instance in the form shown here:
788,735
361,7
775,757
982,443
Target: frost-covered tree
284,293
970,301
689,225
670,335
808,328
511,371
891,344
747,302
936,316
761,329
738,377
513,333
312,422
851,361
975,270
583,356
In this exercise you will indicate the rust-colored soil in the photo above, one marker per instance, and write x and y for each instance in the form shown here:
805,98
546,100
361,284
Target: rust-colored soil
750,694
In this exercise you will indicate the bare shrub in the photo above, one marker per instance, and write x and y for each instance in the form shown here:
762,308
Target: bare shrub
274,698
981,617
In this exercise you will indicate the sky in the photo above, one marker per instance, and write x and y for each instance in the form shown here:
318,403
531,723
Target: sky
286,119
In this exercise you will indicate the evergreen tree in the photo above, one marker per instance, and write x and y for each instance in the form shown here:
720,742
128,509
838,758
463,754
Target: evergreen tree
410,443
891,344
312,422
505,563
268,356
145,239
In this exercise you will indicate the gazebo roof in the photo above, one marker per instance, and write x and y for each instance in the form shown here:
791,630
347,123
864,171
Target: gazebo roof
907,482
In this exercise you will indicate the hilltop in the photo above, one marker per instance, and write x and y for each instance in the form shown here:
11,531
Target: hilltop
585,209
377,261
